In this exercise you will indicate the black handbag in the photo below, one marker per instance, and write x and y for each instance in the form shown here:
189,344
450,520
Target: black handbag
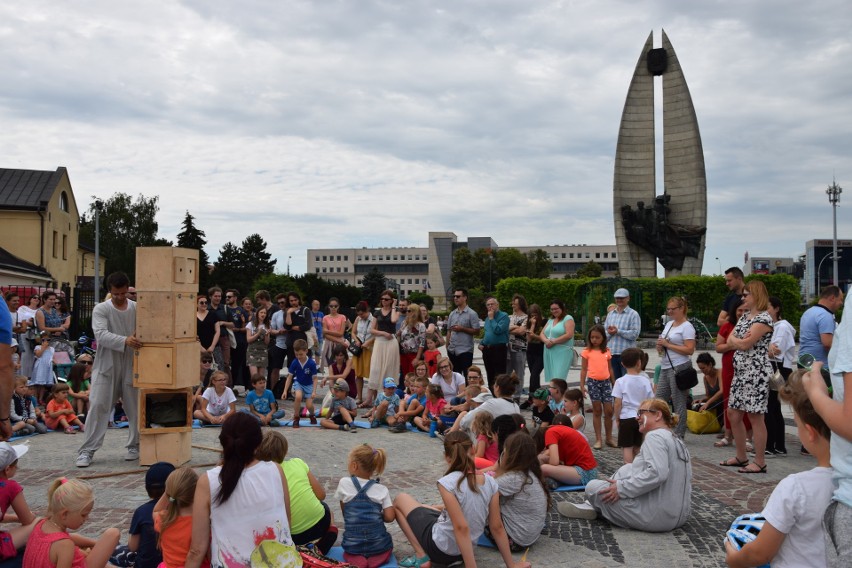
355,349
685,379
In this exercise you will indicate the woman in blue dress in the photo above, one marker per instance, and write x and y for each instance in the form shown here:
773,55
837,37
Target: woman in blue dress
558,339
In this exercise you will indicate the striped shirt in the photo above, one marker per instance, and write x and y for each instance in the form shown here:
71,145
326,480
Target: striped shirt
628,325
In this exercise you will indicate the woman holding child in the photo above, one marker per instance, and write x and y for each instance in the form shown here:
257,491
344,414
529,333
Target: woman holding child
651,494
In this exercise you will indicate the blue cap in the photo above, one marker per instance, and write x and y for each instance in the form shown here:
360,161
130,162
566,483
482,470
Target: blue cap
389,383
157,474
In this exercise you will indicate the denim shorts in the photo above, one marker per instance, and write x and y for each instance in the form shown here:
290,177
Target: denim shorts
599,390
586,476
307,390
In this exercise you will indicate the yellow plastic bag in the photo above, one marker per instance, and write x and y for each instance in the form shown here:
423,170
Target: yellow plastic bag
704,422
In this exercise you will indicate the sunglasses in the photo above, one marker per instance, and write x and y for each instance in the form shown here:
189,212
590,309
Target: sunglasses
202,303
387,299
335,306
642,411
86,362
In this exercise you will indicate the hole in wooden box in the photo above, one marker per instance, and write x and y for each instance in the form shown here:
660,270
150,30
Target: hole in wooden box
167,409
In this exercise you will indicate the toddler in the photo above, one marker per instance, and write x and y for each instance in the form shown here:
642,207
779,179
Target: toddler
69,503
429,420
220,400
23,411
43,366
304,370
12,495
173,517
261,402
342,410
597,368
366,507
386,405
414,406
431,355
59,413
630,390
485,453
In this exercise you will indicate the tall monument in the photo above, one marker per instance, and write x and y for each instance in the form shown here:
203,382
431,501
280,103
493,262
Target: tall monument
669,227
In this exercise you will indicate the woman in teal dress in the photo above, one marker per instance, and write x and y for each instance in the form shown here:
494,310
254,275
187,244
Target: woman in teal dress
558,339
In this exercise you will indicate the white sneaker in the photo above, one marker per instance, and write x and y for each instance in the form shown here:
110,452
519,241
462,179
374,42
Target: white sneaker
84,459
132,453
572,511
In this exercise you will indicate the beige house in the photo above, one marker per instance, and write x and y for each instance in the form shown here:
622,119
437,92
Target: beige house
40,226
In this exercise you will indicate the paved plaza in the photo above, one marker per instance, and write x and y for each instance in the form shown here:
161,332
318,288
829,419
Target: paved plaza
415,463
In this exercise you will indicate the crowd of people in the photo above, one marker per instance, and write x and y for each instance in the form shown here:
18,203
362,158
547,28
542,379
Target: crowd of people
388,362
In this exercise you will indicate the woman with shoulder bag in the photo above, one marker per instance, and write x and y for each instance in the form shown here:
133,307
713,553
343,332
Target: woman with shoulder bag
362,339
782,355
676,345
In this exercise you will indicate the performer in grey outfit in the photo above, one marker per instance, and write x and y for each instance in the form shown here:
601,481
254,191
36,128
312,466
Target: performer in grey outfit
651,494
114,324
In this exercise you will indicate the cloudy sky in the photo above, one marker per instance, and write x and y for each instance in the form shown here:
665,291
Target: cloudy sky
370,123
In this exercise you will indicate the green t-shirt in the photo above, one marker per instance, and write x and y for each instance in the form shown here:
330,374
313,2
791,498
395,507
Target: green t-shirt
305,509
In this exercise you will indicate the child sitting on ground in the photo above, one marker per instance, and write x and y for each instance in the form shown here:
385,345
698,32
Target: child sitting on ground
342,411
79,383
12,495
23,411
69,503
366,507
485,453
542,415
311,517
630,390
566,457
143,537
261,402
557,390
414,406
220,399
793,533
574,408
386,407
462,404
173,517
304,370
430,419
60,415
205,374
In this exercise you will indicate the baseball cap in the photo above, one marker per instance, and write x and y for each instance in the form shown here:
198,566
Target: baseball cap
541,394
341,384
621,293
157,474
389,383
9,453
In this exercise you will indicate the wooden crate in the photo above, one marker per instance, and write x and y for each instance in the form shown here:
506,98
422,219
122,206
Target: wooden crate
172,447
164,317
148,398
167,269
167,365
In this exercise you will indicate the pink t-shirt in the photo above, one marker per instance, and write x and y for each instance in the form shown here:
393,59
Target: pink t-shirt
435,408
490,448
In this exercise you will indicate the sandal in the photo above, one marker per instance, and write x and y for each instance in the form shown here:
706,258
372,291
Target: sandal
413,561
760,469
70,430
597,446
735,463
722,443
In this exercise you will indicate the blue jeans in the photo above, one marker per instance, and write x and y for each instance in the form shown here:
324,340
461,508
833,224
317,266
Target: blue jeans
277,415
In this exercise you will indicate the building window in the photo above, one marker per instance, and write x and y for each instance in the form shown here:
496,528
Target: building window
324,258
416,257
358,258
323,269
317,269
563,255
597,255
409,257
55,244
317,257
346,257
571,255
606,255
64,247
63,201
381,257
424,257
338,269
417,281
613,255
338,258
345,269
395,257
587,255
359,281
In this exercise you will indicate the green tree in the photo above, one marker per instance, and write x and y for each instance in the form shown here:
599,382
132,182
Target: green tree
275,284
316,288
422,299
510,263
373,284
539,264
255,260
590,270
228,271
124,225
192,237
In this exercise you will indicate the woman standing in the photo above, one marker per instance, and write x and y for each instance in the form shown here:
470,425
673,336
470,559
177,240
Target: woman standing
47,317
385,359
727,352
750,389
412,339
633,498
675,345
257,336
558,339
207,327
333,328
362,336
26,315
782,353
535,351
518,331
239,503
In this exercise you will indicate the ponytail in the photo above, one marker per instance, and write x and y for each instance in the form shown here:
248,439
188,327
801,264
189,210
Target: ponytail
457,446
240,437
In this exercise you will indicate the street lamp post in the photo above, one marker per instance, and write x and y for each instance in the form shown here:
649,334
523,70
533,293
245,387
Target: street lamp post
833,255
833,193
288,265
99,205
720,264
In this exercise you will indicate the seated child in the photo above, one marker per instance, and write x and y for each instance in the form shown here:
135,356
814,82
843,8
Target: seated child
462,404
220,399
304,370
404,394
12,495
311,518
414,405
143,535
59,413
542,415
366,507
261,402
430,419
205,373
573,407
485,453
793,533
566,457
22,412
630,390
173,517
69,503
79,383
557,390
342,410
386,405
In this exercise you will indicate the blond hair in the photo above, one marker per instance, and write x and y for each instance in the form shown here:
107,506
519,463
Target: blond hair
69,495
661,406
368,458
273,447
180,489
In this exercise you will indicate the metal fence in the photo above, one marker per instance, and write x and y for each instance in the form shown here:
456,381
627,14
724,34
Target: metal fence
80,304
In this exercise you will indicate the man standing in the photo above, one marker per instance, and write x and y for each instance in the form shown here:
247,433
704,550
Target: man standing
816,328
462,325
7,373
114,324
238,318
277,352
316,316
622,329
493,344
402,308
734,282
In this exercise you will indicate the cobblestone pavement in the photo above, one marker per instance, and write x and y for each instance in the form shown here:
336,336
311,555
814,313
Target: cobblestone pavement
415,463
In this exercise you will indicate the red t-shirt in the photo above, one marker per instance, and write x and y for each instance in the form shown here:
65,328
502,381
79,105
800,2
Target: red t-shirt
573,447
727,356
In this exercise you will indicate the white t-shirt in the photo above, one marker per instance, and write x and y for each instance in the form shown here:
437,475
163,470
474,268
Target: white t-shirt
473,505
676,335
218,405
795,508
377,493
452,389
632,390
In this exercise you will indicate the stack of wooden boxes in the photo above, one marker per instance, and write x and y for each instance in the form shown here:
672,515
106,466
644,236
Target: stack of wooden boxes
166,367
